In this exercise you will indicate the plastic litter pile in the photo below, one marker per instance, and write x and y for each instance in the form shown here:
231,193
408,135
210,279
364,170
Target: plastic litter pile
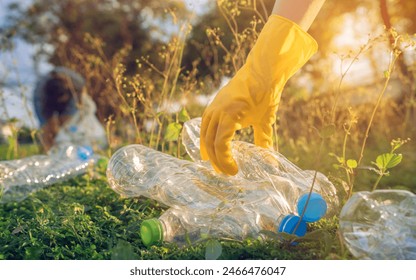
268,193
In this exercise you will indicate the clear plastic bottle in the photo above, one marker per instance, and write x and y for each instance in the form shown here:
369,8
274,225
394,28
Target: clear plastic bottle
247,217
19,178
136,170
182,226
380,225
9,168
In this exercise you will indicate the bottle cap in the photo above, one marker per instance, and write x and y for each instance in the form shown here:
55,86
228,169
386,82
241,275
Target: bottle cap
315,209
289,223
151,232
84,152
73,128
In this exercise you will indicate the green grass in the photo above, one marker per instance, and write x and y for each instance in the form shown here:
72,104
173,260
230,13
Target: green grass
84,218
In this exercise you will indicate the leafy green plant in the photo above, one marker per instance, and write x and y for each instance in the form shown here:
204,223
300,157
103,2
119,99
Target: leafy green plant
174,129
386,161
383,162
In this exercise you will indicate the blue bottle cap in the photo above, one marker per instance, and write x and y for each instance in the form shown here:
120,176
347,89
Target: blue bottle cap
84,152
315,209
73,128
289,223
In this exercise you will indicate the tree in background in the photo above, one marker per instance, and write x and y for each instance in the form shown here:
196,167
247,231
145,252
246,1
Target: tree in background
94,36
223,36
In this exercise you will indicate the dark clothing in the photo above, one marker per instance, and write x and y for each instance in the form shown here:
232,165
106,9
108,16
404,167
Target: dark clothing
57,93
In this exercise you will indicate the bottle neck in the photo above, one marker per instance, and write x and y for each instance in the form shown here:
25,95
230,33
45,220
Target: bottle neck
165,230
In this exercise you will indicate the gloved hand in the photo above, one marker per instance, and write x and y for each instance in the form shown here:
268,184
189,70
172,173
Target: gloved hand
252,96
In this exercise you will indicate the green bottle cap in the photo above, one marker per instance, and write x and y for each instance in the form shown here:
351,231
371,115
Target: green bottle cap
151,232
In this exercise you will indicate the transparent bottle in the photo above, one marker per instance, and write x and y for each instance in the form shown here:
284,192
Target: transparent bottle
19,178
247,217
9,168
380,224
183,227
136,170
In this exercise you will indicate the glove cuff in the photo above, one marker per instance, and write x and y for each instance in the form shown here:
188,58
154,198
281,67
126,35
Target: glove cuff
308,41
281,49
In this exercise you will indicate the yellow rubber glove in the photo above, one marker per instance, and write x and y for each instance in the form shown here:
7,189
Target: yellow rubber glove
252,96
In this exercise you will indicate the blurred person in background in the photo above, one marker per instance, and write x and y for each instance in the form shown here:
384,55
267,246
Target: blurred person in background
65,111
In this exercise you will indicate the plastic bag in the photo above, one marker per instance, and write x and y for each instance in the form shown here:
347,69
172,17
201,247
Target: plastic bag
83,128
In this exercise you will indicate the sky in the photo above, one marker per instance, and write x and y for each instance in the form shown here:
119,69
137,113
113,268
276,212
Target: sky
17,73
19,60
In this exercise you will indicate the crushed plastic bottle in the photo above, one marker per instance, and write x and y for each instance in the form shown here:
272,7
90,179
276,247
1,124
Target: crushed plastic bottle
240,219
380,225
83,128
246,216
19,178
214,201
136,170
184,227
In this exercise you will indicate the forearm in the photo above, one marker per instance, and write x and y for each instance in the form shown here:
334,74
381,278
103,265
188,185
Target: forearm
49,131
302,12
